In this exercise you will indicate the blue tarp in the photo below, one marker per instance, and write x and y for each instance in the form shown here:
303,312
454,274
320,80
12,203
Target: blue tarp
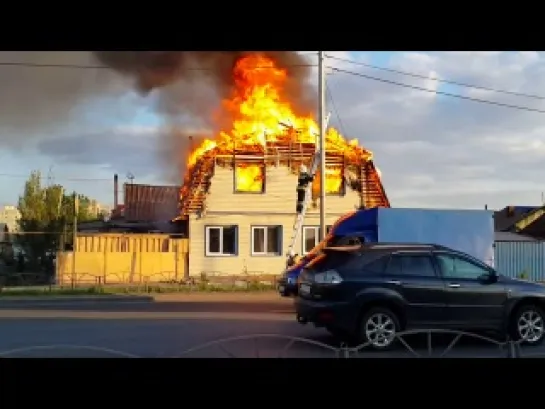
470,231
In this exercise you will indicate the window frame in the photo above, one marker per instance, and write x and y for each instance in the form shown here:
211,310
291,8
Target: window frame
467,259
382,256
304,237
266,228
317,241
405,253
237,191
342,190
362,260
207,251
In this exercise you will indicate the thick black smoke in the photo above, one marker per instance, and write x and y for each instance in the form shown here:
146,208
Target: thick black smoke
158,69
50,94
191,85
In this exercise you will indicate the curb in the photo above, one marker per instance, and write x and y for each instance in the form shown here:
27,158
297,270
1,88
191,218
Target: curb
73,299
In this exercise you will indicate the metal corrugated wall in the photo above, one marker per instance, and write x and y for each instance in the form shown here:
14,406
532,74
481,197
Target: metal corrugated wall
514,258
151,203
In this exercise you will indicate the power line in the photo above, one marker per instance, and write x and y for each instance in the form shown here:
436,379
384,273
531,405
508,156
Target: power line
103,67
11,175
40,65
461,84
448,94
335,110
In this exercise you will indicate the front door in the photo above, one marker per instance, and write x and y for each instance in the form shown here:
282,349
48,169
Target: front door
471,302
414,276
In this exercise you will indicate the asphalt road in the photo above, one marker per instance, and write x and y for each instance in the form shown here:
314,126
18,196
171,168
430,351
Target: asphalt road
188,325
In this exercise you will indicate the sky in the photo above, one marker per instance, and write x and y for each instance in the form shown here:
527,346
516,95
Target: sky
80,126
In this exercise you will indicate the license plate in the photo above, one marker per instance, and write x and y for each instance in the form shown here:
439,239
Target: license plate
304,289
281,288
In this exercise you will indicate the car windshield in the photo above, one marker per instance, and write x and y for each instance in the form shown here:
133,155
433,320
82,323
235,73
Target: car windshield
474,260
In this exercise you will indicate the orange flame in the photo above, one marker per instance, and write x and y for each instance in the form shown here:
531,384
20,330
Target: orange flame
249,178
262,115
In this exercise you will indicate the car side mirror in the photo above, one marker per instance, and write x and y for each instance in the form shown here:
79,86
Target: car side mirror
489,278
493,276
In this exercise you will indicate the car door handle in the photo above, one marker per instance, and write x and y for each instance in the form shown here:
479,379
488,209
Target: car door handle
394,282
454,285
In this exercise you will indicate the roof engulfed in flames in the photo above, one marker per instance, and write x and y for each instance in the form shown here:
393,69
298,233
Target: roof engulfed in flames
262,116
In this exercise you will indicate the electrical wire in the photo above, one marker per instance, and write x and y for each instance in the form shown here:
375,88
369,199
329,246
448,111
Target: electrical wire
334,106
11,175
103,67
448,94
415,75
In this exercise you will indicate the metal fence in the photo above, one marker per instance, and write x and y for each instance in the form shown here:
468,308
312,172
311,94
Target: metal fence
452,344
409,344
524,259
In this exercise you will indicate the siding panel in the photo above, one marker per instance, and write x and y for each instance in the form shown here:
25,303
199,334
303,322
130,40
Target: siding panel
244,263
275,207
280,195
515,258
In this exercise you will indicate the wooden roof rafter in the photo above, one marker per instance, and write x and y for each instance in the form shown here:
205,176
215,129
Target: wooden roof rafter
198,178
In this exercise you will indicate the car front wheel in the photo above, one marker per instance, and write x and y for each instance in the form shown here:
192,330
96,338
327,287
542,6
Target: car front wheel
528,325
378,328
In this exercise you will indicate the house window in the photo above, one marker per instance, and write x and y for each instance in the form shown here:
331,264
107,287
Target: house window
249,178
266,240
334,182
311,237
221,240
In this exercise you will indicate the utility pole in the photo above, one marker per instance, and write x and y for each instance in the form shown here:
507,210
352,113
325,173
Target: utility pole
322,119
74,237
50,177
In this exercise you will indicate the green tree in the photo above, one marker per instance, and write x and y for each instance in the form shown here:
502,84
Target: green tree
47,212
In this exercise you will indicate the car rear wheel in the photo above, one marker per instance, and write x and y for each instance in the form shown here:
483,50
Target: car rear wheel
378,328
528,325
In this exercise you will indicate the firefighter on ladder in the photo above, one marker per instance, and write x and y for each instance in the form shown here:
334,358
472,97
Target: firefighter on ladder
304,179
302,182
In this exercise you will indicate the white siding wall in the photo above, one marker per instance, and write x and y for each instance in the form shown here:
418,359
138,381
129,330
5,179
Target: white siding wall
275,207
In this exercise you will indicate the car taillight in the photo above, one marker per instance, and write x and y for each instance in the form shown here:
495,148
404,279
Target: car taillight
328,277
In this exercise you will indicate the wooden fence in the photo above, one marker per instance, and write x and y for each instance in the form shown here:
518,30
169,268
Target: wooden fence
124,258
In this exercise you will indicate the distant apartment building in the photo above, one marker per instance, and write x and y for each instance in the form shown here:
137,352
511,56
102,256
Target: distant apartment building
99,209
9,216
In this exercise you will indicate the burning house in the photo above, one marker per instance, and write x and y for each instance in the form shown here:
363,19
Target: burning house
238,199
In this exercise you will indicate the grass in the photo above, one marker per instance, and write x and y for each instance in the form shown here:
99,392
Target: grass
48,291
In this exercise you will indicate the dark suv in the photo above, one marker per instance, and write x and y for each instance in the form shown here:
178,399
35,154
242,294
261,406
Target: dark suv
369,293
